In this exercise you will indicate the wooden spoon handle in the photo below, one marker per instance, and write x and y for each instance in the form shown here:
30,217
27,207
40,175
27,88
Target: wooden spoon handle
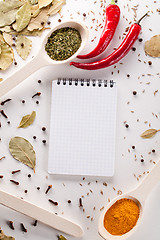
149,182
21,75
40,214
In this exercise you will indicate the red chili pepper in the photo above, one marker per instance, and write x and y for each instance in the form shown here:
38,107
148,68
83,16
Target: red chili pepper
118,54
112,19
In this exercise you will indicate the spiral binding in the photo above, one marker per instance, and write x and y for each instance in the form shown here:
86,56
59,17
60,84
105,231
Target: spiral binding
86,82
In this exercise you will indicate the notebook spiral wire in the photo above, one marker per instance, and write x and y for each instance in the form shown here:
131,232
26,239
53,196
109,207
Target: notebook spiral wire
85,82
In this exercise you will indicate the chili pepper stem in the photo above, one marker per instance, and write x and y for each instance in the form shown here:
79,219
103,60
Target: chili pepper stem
142,18
113,2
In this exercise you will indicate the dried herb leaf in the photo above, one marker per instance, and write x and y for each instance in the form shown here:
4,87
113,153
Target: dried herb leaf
23,17
149,133
27,120
44,3
152,47
4,237
35,10
6,6
6,56
23,46
33,1
56,6
8,38
23,151
39,21
8,17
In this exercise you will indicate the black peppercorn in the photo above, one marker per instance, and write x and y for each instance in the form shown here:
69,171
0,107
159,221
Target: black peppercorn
39,81
153,150
133,147
29,175
127,126
134,93
37,102
23,101
142,160
128,75
150,63
43,129
140,39
34,137
133,49
69,201
84,14
44,141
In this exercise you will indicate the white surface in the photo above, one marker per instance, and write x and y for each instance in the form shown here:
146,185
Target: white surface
82,129
64,188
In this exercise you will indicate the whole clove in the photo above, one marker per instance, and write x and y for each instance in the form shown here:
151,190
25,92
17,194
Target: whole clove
80,202
13,181
53,202
36,94
49,187
23,227
10,224
3,113
13,172
35,223
7,100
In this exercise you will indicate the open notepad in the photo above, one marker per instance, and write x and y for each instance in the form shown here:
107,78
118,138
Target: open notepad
82,127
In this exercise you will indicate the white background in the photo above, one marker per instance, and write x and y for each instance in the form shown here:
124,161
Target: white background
145,105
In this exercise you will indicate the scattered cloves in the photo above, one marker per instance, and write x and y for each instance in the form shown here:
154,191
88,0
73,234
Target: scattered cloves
49,187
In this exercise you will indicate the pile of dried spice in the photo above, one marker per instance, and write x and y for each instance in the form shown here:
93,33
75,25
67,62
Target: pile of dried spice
121,217
63,43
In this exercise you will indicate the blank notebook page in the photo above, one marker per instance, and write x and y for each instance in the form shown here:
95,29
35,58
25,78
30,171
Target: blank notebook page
82,129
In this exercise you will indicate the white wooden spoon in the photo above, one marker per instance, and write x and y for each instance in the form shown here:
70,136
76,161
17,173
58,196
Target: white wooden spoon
40,214
139,195
42,59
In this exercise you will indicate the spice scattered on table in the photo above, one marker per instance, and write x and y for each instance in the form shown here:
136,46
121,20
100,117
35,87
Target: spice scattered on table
10,224
53,202
121,217
27,120
152,46
63,43
149,133
23,227
48,188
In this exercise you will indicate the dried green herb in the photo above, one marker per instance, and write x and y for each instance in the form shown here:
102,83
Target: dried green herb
61,238
27,120
4,237
23,151
63,43
149,133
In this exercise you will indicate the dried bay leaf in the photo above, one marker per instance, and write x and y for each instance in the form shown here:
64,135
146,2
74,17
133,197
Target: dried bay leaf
23,17
8,17
44,3
5,237
36,23
22,150
152,47
27,120
8,38
149,133
56,6
23,46
35,10
6,6
6,56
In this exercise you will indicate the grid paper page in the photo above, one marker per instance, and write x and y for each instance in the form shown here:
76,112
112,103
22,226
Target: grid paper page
82,130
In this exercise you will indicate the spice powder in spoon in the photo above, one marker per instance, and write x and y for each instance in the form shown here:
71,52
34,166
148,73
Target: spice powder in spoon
63,43
121,217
